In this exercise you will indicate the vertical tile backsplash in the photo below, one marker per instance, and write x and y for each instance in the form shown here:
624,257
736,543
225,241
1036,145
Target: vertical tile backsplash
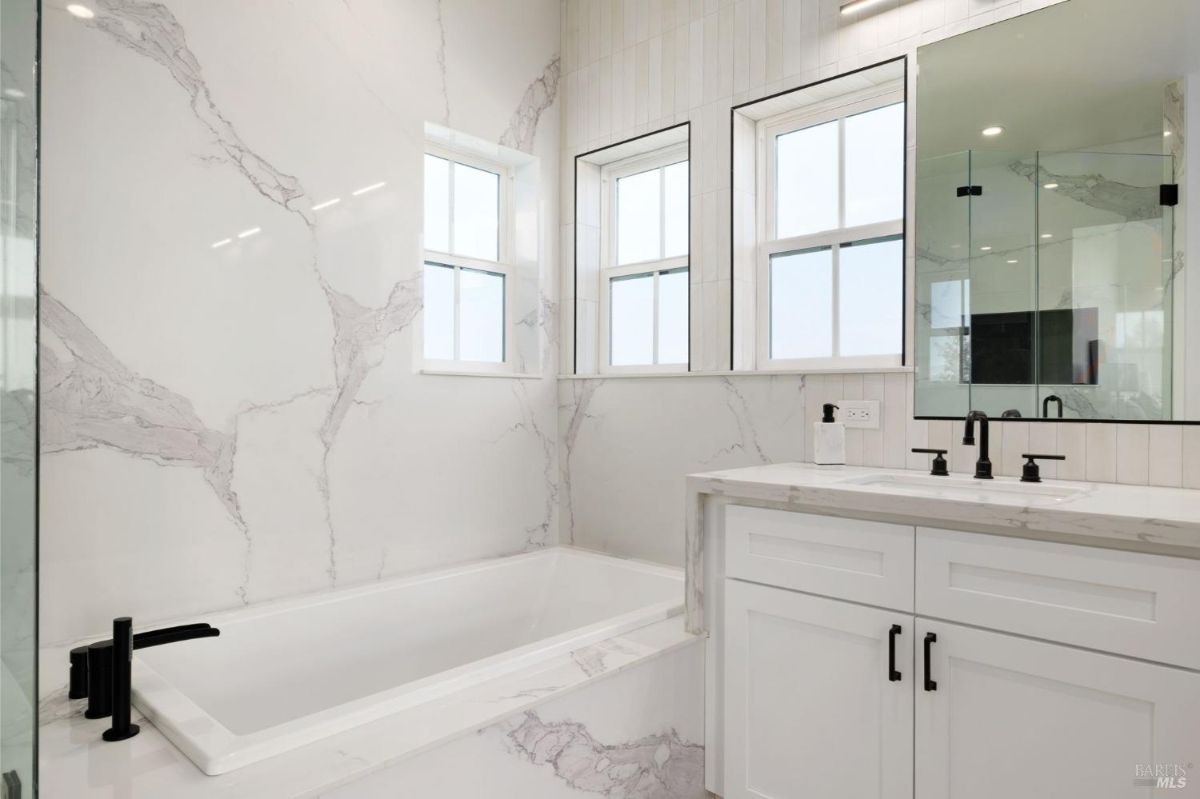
1137,454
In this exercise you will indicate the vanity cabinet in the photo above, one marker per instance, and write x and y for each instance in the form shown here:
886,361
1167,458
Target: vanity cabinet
814,712
886,683
1012,717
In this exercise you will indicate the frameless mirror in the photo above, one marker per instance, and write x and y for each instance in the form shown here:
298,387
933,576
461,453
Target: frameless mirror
1051,213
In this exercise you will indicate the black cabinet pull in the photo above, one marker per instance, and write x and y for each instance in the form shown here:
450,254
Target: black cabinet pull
893,675
930,638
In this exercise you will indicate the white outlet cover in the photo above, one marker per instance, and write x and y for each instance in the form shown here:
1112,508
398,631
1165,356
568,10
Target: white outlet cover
859,413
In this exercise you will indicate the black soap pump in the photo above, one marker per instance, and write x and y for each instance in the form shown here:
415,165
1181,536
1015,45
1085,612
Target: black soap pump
829,438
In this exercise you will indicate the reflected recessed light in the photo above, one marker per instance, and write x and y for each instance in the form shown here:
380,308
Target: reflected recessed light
994,130
83,12
327,203
985,248
1050,186
16,94
1166,133
1012,261
245,234
850,6
1047,235
366,189
221,243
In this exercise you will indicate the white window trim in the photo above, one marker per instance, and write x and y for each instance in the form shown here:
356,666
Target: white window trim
609,175
503,266
834,239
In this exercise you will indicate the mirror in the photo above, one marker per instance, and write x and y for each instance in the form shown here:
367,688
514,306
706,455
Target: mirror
1051,216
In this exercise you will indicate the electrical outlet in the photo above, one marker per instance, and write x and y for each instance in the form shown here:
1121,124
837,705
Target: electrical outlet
859,413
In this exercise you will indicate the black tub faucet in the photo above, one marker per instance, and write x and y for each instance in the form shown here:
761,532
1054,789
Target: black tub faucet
102,671
983,466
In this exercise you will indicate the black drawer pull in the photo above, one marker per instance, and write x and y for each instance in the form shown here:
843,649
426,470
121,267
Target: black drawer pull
930,684
893,675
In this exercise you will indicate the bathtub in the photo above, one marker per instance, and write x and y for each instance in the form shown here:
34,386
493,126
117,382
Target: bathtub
286,674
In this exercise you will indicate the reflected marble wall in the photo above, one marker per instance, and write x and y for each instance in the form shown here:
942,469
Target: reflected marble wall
230,410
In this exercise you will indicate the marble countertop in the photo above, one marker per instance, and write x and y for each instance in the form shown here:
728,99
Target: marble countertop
1140,518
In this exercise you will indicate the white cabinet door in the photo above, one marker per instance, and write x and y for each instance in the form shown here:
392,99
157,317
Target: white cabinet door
811,711
1007,717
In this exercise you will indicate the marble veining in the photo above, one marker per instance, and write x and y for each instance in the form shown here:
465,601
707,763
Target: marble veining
151,30
661,766
91,399
576,409
1132,203
538,98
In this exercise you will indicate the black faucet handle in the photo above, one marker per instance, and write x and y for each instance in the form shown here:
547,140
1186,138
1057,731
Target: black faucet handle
938,467
1030,472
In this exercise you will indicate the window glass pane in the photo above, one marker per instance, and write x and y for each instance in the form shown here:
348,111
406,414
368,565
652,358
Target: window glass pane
476,213
806,180
481,316
870,295
875,166
631,320
802,304
673,316
946,304
439,312
675,236
638,219
437,204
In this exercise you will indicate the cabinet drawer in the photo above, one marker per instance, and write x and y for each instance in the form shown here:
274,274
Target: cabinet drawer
1114,601
868,562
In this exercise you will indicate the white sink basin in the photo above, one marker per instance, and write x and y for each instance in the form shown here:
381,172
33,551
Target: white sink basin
963,486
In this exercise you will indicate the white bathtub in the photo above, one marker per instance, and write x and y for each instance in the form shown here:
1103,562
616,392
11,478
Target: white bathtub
285,674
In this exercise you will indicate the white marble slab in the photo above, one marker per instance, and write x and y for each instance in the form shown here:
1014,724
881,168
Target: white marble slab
1140,518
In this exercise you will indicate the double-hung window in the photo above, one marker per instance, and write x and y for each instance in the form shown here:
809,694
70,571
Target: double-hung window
645,287
468,278
831,249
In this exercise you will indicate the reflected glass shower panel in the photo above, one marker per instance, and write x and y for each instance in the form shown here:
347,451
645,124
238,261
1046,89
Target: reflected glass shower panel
18,397
1105,255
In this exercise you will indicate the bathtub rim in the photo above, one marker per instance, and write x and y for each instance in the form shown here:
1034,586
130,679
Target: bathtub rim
218,750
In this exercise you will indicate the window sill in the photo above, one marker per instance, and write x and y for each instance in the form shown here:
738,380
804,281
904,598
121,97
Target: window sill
461,373
740,373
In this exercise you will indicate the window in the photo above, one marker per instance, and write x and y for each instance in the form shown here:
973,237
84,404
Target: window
645,287
467,277
831,247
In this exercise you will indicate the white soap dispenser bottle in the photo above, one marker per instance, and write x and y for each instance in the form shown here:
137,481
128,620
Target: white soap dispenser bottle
829,439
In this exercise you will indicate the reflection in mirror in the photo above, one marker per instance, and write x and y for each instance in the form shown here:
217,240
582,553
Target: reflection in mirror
1051,216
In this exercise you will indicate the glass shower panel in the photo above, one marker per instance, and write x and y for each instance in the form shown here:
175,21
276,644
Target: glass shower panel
1003,280
943,286
18,398
1105,246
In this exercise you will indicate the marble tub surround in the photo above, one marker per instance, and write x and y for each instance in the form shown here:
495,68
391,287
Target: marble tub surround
230,401
613,697
1137,518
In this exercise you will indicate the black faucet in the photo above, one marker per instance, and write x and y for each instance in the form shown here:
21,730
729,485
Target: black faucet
983,466
1046,405
102,671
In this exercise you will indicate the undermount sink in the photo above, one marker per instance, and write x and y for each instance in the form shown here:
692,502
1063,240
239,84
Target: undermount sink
967,486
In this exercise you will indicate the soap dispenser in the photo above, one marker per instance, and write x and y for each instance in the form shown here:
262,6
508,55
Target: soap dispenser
829,439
